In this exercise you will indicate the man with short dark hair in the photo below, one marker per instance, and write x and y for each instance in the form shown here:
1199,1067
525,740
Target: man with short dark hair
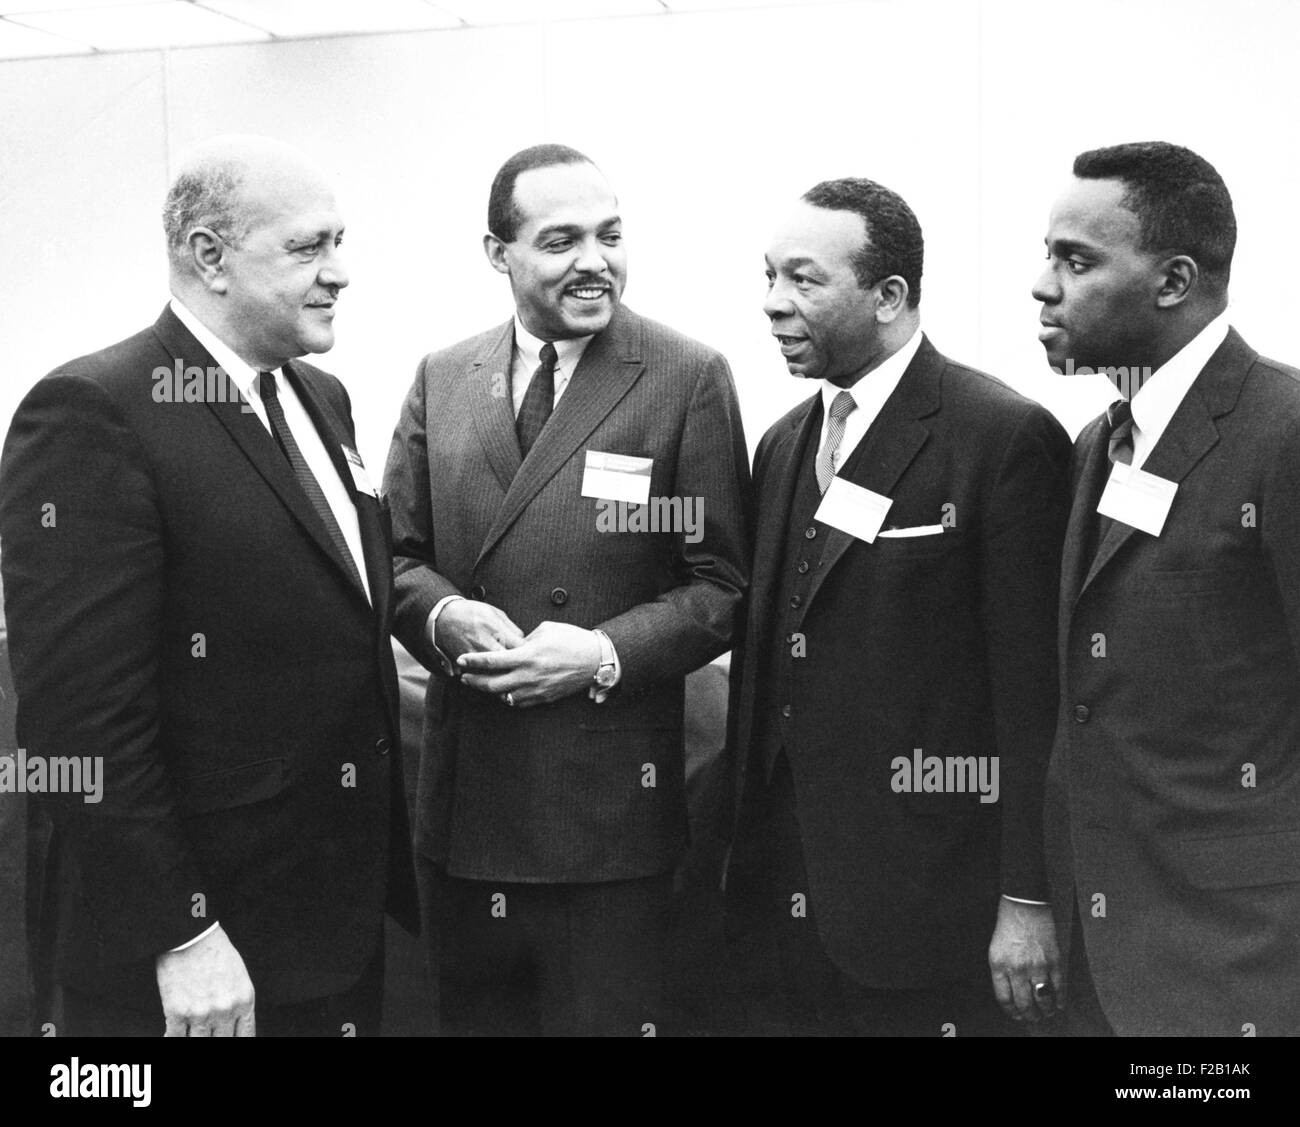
559,618
1174,789
893,699
199,590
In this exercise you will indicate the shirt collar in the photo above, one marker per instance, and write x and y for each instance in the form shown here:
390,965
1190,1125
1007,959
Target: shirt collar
871,391
1158,398
567,352
239,372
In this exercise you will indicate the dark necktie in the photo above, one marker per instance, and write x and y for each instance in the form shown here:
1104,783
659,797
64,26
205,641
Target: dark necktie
1119,448
539,399
289,448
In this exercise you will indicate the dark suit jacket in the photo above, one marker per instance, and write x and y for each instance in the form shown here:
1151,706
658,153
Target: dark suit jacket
224,755
944,643
555,793
1198,690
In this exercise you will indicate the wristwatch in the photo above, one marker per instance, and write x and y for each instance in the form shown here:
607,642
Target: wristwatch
607,671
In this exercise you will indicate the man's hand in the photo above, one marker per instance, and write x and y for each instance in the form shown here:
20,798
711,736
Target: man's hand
1022,954
556,660
206,991
467,626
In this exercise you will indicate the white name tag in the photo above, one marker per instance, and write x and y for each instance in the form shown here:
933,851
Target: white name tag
852,509
617,477
359,476
1137,498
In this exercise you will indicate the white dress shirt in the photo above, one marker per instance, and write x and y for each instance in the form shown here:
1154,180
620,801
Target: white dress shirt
1158,398
528,358
304,431
870,394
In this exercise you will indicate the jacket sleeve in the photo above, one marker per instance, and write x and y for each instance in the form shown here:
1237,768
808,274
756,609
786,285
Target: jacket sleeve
83,575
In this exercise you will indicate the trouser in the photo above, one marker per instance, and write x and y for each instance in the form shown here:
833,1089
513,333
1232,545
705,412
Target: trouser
515,959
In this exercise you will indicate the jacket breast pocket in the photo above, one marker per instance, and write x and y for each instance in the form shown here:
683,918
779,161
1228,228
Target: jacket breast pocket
908,549
232,787
1242,860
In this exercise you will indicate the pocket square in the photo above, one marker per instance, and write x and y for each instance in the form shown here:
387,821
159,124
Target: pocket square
917,530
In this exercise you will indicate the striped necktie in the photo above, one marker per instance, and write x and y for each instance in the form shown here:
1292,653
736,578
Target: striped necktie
842,407
539,399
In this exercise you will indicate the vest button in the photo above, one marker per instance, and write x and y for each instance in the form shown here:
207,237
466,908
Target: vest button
802,569
559,596
381,746
795,601
810,532
477,591
1081,714
785,711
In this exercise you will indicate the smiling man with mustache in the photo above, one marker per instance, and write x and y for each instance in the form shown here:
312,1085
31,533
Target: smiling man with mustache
551,807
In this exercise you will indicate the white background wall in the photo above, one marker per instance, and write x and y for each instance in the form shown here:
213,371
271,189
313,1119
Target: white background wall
707,124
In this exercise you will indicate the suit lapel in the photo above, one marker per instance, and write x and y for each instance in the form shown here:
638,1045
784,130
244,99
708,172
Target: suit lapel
608,369
1191,433
1091,477
888,448
782,471
253,439
492,408
333,438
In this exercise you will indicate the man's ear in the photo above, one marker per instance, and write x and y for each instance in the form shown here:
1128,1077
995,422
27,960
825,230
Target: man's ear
495,250
205,252
893,298
1180,275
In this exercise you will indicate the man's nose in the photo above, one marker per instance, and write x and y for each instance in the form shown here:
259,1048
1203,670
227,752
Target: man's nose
1047,289
591,260
333,271
777,303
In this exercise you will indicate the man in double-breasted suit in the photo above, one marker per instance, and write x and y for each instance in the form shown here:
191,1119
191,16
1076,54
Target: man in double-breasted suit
567,494
1174,791
199,588
893,699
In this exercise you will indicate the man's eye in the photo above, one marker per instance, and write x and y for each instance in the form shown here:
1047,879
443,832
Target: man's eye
1074,266
559,245
612,239
802,280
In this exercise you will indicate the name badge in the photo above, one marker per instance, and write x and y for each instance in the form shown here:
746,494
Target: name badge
852,509
617,477
1137,498
360,478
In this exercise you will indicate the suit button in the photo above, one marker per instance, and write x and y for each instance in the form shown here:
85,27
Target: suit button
381,746
810,532
559,596
785,711
1081,714
802,569
795,601
477,591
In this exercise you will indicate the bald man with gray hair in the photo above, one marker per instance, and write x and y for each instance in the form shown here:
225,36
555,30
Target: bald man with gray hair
199,588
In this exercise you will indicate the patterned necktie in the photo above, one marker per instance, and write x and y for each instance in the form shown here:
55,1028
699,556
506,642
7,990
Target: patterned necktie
841,408
289,448
1120,415
539,399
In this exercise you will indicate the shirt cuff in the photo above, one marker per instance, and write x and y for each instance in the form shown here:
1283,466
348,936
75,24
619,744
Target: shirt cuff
202,935
432,623
1018,900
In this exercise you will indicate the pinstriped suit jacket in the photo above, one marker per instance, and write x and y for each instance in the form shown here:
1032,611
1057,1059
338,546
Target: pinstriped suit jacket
558,793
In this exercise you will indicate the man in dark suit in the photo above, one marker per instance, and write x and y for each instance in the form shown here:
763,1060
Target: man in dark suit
1174,789
199,588
567,493
894,695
